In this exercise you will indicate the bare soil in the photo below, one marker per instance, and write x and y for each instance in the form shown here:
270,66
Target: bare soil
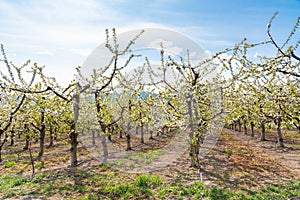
288,156
238,161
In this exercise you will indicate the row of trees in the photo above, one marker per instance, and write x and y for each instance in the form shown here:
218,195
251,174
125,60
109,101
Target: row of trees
228,84
268,90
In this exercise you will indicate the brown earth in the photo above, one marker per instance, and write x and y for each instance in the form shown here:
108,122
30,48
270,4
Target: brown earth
238,161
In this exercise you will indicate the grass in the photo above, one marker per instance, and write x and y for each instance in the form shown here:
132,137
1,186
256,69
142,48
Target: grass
10,164
137,160
145,181
296,146
40,165
147,186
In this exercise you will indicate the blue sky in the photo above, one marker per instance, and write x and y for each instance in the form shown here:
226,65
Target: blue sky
61,34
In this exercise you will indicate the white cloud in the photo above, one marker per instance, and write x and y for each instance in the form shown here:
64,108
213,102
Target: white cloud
49,53
157,43
81,52
37,30
56,22
168,46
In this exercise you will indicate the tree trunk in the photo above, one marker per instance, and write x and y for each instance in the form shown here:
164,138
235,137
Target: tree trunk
193,150
93,137
137,130
280,137
194,155
157,132
42,143
142,134
263,132
240,125
12,137
235,126
42,134
26,129
2,143
252,128
128,142
74,134
26,143
32,163
151,135
0,154
51,136
147,128
109,137
245,127
73,150
55,135
105,150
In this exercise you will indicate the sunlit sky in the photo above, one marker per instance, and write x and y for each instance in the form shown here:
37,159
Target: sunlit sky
61,34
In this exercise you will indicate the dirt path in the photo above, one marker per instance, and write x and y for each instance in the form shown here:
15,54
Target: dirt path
288,156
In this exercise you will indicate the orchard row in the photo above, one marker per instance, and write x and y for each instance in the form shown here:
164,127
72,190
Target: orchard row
228,88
